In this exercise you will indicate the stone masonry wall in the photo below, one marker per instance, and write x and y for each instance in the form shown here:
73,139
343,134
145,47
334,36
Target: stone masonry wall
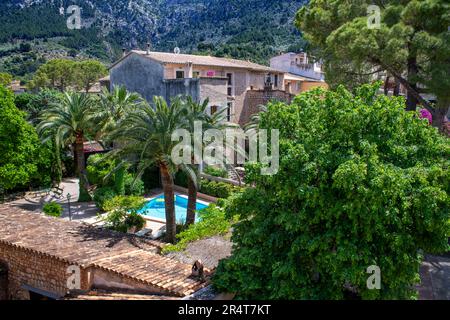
39,271
255,98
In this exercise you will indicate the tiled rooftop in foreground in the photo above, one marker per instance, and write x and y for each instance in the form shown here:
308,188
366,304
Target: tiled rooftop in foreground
78,244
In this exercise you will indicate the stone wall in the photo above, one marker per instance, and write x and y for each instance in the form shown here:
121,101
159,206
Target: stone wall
215,90
255,98
182,87
26,267
139,74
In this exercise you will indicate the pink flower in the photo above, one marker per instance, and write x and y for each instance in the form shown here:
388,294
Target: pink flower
425,114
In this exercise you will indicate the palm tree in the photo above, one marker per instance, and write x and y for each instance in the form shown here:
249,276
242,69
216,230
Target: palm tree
146,139
68,122
113,108
198,112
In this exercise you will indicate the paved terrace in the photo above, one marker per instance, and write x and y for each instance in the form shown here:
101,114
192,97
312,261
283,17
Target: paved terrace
83,245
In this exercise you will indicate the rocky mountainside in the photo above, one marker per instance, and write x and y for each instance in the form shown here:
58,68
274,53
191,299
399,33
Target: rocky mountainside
35,30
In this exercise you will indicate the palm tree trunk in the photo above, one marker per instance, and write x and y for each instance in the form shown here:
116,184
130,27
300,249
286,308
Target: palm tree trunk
167,182
192,202
81,169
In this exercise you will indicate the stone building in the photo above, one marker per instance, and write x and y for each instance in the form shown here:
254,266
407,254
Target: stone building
225,82
49,258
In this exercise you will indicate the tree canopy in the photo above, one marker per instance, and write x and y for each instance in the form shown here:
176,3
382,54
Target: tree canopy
23,159
361,183
63,73
411,43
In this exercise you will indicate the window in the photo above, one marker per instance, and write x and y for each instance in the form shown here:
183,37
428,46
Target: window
230,79
180,74
213,109
229,111
276,81
230,90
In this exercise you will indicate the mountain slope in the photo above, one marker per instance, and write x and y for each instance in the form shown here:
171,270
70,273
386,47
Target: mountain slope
246,29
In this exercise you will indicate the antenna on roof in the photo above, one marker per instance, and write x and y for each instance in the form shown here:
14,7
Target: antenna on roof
176,50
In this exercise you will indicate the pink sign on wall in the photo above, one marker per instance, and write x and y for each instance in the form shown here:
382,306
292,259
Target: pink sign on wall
210,73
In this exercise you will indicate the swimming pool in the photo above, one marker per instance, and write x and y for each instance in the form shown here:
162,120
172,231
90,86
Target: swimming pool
156,208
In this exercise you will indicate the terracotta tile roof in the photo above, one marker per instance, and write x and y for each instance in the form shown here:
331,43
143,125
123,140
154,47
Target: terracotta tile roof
79,244
165,57
105,295
93,146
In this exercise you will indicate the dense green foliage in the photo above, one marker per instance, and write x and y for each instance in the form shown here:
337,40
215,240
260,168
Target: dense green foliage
212,188
216,172
218,189
53,209
411,44
361,183
238,29
5,79
122,213
212,221
100,171
129,203
70,122
63,73
35,104
102,195
24,161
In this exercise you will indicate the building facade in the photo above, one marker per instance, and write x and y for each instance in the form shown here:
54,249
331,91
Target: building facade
227,83
299,64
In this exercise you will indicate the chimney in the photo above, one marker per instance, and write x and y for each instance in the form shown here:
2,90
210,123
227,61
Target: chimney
148,47
198,270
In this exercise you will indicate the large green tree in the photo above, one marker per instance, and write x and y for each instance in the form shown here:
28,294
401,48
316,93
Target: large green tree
114,106
361,183
88,72
68,123
5,79
198,112
411,44
23,159
61,74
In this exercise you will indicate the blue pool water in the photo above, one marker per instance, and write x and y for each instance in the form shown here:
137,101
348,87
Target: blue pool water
156,208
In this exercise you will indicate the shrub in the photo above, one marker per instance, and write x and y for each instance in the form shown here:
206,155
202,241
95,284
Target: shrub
218,189
102,195
133,186
122,213
97,169
212,222
129,203
135,220
53,209
216,172
361,183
